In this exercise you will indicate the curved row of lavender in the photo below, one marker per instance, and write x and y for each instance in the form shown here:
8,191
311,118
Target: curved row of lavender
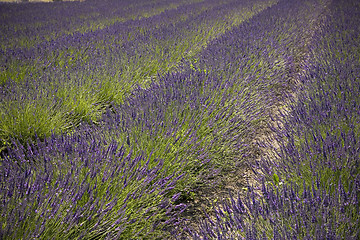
312,190
128,175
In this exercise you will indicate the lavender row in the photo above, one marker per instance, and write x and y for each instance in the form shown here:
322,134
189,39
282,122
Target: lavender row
311,191
27,24
268,52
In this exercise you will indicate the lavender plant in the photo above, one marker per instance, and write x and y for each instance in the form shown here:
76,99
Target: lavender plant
289,212
79,186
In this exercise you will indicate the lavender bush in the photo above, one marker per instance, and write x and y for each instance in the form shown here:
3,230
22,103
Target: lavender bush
287,212
81,187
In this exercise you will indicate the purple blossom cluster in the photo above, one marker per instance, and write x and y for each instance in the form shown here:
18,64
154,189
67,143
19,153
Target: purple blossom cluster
311,191
288,212
79,186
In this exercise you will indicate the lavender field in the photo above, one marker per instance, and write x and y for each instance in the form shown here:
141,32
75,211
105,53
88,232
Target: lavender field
180,119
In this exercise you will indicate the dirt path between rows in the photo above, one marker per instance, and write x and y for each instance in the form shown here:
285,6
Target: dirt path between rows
266,143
